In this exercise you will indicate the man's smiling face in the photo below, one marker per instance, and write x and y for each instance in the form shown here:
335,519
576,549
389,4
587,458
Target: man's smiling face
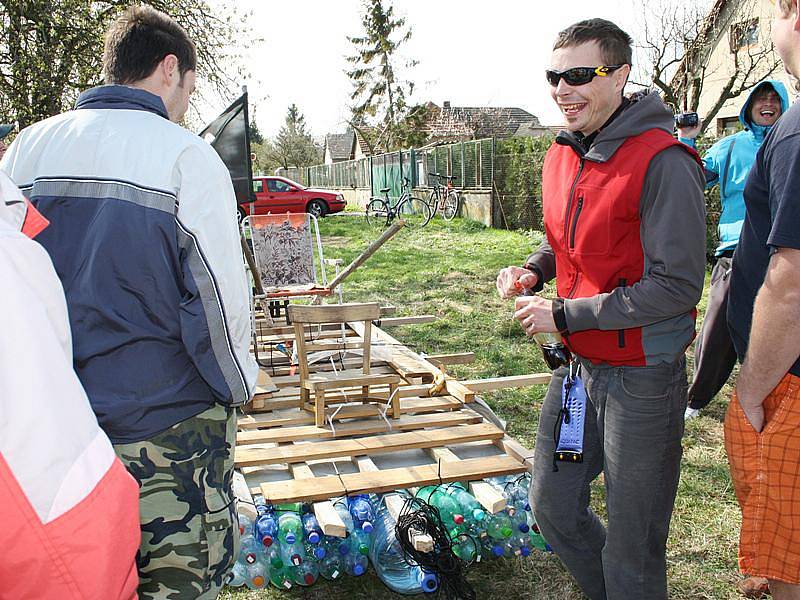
765,107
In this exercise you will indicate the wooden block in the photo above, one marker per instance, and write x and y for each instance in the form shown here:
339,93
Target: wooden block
320,382
334,313
499,383
513,448
329,520
245,505
322,488
488,496
460,391
291,434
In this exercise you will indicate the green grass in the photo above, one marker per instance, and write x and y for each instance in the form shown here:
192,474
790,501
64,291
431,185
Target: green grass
449,270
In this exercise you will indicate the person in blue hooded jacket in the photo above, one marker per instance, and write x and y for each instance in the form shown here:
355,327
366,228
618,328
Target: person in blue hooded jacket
728,163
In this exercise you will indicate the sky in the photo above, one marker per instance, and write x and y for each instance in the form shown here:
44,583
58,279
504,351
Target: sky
489,53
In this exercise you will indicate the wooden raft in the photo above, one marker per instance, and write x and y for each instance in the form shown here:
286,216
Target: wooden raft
438,438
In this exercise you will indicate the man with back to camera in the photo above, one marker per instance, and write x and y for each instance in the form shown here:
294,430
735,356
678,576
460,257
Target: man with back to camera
144,239
625,224
763,418
728,163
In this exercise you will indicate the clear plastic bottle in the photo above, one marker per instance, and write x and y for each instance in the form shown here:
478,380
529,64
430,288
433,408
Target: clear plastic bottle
311,529
267,530
361,510
238,574
331,566
390,564
250,549
257,576
306,573
293,554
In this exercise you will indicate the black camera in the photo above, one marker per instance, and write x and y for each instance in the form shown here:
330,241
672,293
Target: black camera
686,119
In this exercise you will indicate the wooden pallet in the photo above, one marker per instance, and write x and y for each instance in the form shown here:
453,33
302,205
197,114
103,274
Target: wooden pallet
438,438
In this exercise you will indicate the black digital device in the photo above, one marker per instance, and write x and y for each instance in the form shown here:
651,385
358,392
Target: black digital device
686,119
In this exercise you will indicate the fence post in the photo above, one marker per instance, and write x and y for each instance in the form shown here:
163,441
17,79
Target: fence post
400,154
371,182
412,156
463,168
479,157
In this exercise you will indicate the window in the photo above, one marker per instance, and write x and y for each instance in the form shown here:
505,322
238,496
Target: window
276,185
744,34
728,126
258,186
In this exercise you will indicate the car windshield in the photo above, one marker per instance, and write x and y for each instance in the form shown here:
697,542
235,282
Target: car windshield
299,186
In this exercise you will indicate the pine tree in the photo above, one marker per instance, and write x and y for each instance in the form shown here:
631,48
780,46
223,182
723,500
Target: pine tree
378,92
294,146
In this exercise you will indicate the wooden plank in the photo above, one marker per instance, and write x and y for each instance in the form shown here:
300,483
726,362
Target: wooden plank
291,434
371,249
329,346
397,321
320,382
513,448
371,445
404,360
408,406
287,381
485,493
322,488
460,391
459,358
499,383
334,313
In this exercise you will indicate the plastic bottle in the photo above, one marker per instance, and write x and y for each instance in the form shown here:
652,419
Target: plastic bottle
280,578
499,526
245,525
335,546
331,567
361,510
449,509
257,576
467,547
355,564
470,508
238,574
390,564
290,526
250,549
267,530
305,573
292,554
311,529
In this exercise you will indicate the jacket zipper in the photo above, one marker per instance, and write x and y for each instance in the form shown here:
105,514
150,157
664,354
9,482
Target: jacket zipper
578,210
569,200
621,332
574,286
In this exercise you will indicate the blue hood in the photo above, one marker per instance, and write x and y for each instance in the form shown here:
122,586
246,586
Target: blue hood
743,114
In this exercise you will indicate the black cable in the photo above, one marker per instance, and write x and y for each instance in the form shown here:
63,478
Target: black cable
418,517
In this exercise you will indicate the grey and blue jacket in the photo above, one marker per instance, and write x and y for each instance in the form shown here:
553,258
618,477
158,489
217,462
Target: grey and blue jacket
144,238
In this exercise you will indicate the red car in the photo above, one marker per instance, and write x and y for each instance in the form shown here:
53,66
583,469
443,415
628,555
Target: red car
280,195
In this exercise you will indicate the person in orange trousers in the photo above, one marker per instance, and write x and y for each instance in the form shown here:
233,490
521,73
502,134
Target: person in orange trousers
762,426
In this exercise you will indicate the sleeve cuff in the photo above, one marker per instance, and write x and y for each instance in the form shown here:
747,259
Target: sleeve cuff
539,277
560,316
580,314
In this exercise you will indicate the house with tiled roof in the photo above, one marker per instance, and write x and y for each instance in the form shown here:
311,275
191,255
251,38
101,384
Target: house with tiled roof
455,123
347,146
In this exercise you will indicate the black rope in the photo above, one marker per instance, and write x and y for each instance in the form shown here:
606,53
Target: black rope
419,517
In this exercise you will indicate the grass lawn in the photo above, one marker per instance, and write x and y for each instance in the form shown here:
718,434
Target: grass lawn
448,269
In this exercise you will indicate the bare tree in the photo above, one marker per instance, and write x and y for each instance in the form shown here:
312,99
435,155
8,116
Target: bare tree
678,39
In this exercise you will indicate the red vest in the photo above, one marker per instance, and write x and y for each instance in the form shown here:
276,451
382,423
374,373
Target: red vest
592,221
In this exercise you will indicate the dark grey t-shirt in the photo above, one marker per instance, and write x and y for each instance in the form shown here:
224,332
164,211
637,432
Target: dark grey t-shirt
772,199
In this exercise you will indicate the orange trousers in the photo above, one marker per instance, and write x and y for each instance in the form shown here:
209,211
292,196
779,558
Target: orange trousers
766,476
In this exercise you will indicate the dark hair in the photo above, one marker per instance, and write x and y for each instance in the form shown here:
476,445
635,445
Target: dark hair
615,44
139,40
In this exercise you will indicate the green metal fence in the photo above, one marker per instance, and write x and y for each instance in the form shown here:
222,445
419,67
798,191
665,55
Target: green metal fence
471,162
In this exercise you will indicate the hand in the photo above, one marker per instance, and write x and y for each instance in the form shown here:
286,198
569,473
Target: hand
690,132
753,410
535,314
508,279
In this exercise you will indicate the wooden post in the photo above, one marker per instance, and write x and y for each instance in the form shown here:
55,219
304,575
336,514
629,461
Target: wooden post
373,247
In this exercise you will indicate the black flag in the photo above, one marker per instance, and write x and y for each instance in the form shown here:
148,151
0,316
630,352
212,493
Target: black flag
229,135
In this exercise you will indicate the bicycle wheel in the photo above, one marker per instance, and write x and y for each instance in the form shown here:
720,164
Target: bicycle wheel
433,202
377,213
451,203
415,212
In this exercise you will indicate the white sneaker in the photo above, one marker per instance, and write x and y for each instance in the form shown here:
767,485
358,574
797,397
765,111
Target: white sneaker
691,413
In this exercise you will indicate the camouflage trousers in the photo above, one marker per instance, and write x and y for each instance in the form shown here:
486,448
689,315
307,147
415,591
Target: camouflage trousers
186,508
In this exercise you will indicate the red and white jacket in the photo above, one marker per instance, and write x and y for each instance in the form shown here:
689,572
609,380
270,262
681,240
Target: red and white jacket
69,516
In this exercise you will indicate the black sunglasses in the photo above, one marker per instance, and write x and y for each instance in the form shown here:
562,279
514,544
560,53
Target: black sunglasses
579,75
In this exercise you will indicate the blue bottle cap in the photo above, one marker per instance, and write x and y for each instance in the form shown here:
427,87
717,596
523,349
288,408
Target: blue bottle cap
290,539
358,569
367,527
313,537
525,551
430,583
343,548
319,553
523,527
497,550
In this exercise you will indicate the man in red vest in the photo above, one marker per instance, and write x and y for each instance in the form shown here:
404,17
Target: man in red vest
625,224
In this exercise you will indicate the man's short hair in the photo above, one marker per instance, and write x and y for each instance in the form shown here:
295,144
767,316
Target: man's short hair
786,6
615,44
139,40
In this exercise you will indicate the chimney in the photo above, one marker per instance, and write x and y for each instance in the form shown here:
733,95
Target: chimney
446,104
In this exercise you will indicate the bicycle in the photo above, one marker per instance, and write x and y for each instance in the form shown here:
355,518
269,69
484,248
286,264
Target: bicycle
444,199
415,211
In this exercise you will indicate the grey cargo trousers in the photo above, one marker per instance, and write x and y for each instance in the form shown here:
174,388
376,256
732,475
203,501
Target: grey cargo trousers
632,433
